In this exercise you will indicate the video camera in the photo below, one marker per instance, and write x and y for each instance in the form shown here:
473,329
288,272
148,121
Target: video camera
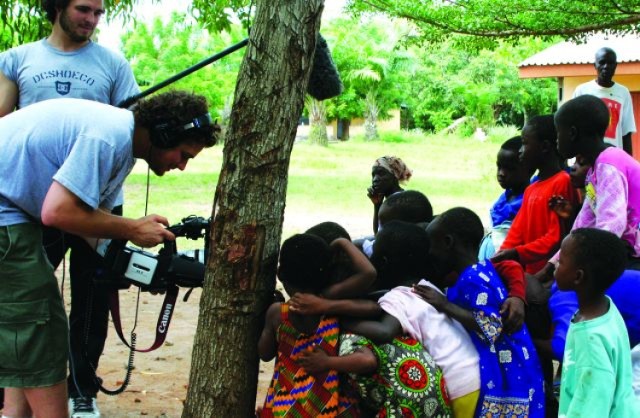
156,272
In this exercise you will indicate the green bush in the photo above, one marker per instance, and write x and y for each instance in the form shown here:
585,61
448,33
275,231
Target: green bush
394,137
402,136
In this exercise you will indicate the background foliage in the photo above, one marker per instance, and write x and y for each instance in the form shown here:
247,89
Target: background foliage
479,21
160,49
440,59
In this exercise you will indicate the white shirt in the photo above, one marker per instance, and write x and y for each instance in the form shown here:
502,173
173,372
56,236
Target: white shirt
618,100
444,338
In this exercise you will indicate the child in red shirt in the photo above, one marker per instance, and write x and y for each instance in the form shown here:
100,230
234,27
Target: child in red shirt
537,231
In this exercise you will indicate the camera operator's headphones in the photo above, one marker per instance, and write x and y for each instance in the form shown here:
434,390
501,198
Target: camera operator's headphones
166,135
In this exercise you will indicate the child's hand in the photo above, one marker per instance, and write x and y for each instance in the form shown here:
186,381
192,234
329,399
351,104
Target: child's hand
508,254
308,304
314,361
512,311
431,296
561,206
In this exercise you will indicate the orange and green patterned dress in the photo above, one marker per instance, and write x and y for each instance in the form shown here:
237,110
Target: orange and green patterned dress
294,392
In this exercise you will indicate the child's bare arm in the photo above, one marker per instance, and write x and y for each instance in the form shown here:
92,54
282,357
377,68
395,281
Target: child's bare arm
379,331
506,254
376,199
309,304
362,361
267,345
360,281
512,310
442,304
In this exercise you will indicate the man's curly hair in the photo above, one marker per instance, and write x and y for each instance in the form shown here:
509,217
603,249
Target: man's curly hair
50,8
177,108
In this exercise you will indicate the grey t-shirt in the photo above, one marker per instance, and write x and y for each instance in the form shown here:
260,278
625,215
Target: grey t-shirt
92,72
84,145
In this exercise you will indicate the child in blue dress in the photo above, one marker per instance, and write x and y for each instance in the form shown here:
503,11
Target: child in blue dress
511,382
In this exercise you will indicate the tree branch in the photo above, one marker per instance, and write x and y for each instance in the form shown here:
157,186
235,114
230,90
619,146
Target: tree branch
453,16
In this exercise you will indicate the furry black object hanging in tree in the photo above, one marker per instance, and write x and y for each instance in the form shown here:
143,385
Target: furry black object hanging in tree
324,81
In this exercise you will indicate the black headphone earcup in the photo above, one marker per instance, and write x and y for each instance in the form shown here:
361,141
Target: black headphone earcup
161,136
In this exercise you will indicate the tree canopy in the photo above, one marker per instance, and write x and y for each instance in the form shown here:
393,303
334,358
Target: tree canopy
435,82
511,19
480,21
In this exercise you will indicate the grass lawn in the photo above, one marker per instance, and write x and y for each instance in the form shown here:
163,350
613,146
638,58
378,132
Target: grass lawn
330,183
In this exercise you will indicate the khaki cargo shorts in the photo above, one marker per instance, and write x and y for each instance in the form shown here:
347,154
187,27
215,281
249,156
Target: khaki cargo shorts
33,323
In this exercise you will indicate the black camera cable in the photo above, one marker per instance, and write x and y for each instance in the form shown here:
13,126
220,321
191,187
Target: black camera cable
132,345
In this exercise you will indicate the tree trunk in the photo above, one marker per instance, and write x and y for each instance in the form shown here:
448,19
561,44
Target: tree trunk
345,123
249,208
317,122
371,117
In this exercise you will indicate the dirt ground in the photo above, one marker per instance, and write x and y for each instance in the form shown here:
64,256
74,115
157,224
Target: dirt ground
158,385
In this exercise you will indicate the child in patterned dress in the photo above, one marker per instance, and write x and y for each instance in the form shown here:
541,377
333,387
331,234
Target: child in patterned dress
294,392
396,378
401,316
511,382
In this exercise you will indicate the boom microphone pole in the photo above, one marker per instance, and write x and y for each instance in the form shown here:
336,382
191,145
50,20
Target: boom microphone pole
233,48
324,81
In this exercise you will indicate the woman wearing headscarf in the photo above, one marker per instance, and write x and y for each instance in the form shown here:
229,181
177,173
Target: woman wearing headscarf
386,175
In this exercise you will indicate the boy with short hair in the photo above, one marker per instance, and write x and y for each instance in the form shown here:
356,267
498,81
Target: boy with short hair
408,206
612,200
514,177
536,231
596,375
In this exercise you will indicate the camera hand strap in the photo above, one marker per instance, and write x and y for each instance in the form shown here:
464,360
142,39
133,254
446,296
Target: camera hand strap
164,318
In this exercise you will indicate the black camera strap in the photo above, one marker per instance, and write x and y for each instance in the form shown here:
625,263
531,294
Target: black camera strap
164,318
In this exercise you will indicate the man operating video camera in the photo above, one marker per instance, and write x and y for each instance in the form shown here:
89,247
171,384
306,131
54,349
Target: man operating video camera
63,163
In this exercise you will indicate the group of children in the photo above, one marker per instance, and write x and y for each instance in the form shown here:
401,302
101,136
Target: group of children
424,321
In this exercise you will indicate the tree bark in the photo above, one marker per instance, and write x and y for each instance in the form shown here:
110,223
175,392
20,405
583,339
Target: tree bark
317,122
371,117
249,208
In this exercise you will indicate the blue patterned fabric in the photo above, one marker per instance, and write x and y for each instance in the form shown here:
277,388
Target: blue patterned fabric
510,373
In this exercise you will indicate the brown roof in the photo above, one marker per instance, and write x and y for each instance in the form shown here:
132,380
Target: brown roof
627,49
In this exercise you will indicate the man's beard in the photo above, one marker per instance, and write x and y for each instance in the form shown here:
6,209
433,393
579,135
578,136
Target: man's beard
66,26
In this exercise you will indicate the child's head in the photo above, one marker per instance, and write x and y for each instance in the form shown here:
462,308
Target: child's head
539,141
579,120
387,173
453,236
590,261
329,231
304,264
340,266
578,172
408,206
512,173
400,252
